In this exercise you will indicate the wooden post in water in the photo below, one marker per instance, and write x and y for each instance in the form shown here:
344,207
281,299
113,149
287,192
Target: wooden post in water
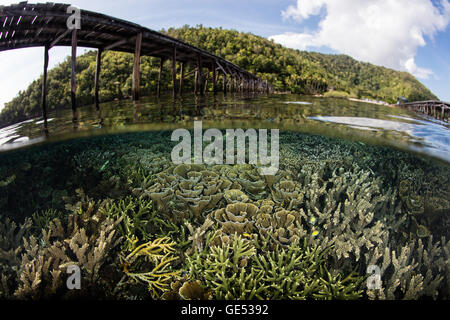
224,83
97,78
44,89
205,85
196,81
74,79
214,77
200,77
174,72
158,86
232,82
181,79
137,68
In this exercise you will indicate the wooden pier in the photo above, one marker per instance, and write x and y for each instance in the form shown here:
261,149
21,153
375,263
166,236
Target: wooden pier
437,109
47,25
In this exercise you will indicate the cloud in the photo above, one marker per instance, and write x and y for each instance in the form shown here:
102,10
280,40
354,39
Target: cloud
383,32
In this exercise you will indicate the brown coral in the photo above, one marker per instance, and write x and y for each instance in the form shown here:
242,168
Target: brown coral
86,242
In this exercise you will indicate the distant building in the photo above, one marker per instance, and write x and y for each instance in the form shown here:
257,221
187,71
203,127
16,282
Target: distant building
402,100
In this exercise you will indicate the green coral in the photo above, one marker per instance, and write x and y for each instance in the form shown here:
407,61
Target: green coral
141,220
235,270
42,219
151,263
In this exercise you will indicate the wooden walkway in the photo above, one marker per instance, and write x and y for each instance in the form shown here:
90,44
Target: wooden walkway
437,109
47,25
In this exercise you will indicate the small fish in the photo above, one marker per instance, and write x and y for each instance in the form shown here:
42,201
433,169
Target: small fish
315,233
247,235
312,220
104,166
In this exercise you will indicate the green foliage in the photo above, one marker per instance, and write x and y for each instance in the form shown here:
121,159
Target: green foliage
236,271
338,94
286,69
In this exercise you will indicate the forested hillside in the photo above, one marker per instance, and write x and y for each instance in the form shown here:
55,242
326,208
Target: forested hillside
286,69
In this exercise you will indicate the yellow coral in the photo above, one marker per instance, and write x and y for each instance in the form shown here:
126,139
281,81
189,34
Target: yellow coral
160,253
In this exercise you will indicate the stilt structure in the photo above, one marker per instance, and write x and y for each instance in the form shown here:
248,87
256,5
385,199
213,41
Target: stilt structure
137,68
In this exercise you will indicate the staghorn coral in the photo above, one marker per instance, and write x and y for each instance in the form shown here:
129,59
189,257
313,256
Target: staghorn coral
86,242
412,271
236,271
135,215
343,209
42,219
11,247
198,234
150,263
376,203
11,241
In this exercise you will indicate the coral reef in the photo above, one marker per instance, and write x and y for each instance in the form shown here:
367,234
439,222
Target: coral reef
140,227
417,269
189,191
236,271
86,242
150,263
11,248
236,218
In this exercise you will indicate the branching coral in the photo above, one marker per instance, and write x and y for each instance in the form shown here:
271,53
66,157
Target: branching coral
156,257
236,271
11,247
86,242
417,269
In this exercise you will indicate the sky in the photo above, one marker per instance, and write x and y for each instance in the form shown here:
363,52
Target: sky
406,35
